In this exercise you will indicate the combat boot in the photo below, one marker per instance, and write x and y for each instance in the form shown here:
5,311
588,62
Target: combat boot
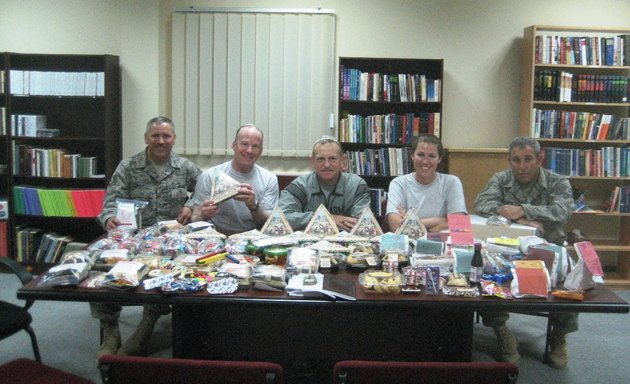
558,354
111,338
138,342
507,343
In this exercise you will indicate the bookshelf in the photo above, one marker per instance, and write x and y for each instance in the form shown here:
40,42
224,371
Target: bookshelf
575,100
62,140
4,161
383,103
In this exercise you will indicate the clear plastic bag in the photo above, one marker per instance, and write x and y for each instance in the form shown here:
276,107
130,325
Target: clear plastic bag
265,276
128,213
64,274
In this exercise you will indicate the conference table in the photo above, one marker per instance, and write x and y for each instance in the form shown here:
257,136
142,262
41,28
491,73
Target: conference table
255,324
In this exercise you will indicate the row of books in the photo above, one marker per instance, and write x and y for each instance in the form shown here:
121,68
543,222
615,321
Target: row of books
380,162
378,200
2,81
31,126
35,245
582,125
618,200
51,83
402,87
4,242
604,162
3,119
564,86
52,162
583,50
388,129
58,202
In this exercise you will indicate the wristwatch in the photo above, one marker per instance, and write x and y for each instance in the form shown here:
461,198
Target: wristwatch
255,208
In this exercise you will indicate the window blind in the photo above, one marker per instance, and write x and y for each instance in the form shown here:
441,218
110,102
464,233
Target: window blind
273,69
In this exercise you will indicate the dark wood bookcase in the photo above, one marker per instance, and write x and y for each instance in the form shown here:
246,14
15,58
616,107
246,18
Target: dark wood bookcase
88,124
547,115
379,98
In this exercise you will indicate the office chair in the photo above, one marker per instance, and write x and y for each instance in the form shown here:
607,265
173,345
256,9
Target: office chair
13,317
116,369
27,371
372,372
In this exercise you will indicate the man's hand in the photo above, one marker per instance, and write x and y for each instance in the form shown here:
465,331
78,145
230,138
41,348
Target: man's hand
112,223
184,215
512,212
208,209
344,223
247,195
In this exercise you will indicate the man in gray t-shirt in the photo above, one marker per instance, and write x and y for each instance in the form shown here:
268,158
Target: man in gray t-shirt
258,191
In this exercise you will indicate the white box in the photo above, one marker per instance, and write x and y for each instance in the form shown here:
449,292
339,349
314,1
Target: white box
482,231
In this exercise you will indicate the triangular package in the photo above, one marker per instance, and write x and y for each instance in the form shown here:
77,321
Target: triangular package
277,224
223,187
367,225
586,251
322,223
412,226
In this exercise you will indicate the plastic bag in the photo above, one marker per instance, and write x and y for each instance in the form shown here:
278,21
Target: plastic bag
126,274
128,212
64,274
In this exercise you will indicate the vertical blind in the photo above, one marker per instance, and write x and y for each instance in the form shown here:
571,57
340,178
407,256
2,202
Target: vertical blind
272,69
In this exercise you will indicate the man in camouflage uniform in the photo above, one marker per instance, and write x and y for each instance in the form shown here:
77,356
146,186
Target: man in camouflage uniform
163,180
531,195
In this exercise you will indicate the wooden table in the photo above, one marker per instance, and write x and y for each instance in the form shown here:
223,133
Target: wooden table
272,326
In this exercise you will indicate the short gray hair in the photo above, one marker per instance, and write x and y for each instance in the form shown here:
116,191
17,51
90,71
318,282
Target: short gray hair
523,142
160,120
326,139
249,126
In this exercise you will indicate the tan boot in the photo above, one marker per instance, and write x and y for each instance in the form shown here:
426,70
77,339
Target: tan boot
507,343
111,339
138,342
558,354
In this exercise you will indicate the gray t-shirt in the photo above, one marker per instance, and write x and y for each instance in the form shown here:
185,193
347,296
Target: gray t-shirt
234,216
442,196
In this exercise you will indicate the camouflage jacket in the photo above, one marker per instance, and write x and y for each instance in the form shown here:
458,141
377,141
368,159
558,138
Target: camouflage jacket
135,178
550,200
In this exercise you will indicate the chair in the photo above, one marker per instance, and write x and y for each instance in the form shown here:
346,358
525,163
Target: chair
117,369
27,371
370,372
13,317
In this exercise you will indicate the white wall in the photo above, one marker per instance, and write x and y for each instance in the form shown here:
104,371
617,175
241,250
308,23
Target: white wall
479,40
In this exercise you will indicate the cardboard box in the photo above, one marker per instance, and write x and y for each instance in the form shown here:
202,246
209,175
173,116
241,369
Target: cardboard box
482,231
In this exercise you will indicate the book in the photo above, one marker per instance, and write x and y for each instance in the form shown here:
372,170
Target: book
460,229
4,250
329,286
